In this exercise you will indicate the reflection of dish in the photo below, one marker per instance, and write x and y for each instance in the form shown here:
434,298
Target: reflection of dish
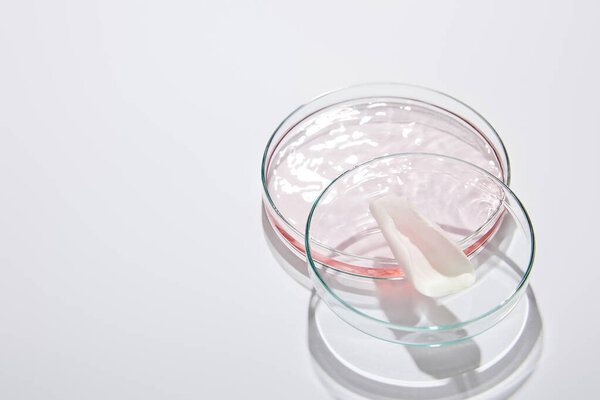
433,183
492,366
286,258
335,132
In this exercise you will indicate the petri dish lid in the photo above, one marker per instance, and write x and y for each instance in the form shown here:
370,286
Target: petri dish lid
468,203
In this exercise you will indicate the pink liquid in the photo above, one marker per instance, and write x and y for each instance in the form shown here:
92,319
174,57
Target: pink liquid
337,138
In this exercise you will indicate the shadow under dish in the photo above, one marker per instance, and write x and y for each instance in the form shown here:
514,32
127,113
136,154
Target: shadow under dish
494,365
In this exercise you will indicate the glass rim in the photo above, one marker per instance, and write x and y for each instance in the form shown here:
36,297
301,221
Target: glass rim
506,172
311,262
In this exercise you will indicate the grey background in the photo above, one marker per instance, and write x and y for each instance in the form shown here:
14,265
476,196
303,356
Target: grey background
132,258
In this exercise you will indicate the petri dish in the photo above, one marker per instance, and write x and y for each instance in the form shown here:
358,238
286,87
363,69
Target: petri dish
343,128
463,200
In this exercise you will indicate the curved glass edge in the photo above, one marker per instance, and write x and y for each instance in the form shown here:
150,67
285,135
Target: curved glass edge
502,153
313,269
513,303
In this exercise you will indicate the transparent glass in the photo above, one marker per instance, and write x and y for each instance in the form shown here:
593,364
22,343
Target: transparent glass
341,129
464,200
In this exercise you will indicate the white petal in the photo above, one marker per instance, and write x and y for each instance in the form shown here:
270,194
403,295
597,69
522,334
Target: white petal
431,261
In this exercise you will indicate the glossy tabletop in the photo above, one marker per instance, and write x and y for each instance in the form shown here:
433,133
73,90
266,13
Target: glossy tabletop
133,256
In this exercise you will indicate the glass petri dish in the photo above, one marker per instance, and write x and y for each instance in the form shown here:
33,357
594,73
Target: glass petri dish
459,197
338,130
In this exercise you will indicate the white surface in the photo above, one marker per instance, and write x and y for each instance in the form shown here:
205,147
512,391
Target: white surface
132,256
